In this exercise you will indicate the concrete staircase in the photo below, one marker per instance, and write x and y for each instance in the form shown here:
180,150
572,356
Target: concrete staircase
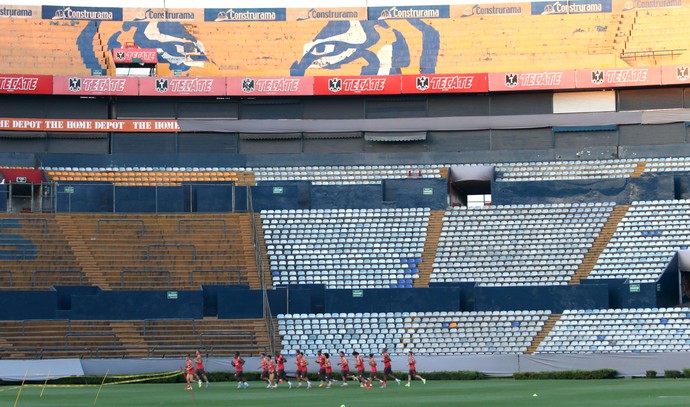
92,273
541,335
637,172
599,244
130,338
433,234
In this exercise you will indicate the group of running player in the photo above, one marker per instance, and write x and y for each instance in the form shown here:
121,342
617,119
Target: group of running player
194,371
273,370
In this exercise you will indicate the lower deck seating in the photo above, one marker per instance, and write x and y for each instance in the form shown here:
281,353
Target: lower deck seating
48,339
620,330
426,333
645,241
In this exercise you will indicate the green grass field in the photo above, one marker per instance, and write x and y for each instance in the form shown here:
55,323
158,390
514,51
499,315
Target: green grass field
485,393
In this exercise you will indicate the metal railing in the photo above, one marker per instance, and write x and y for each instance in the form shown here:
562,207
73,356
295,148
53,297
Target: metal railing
654,53
165,245
140,272
268,317
231,273
61,272
189,221
138,221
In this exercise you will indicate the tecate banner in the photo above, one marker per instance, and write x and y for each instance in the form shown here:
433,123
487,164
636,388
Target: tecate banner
26,84
187,86
445,83
357,85
265,86
507,81
618,77
95,85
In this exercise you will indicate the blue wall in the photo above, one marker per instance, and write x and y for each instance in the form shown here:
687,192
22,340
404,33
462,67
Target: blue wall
622,190
3,197
554,298
87,197
409,193
393,300
119,305
17,305
668,285
368,196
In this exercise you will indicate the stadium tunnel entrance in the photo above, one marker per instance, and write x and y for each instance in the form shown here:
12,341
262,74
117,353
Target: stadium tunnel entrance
470,184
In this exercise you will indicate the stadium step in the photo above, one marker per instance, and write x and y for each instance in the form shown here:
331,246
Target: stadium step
541,335
637,172
263,254
430,246
130,338
599,244
88,264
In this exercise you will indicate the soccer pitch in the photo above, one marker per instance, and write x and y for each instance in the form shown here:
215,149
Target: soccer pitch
485,393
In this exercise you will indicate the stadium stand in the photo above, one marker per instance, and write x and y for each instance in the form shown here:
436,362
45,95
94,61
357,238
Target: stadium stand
346,248
127,251
517,245
60,338
39,47
645,241
619,330
430,333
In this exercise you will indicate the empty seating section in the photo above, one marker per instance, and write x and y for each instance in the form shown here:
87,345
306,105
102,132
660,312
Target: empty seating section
524,42
518,244
554,170
645,241
350,174
44,47
365,174
619,330
425,333
58,338
149,176
667,164
656,37
345,248
149,251
34,254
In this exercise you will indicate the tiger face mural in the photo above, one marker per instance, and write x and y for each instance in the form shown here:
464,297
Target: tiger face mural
176,46
380,47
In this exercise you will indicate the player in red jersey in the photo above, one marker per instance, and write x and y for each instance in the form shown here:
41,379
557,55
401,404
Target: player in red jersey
280,361
200,372
359,365
264,369
238,364
373,374
345,369
413,370
387,368
322,366
271,373
329,369
189,372
304,362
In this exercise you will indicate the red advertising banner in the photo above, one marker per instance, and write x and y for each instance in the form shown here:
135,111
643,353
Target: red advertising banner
26,84
264,86
135,55
182,86
618,77
75,125
675,74
509,81
442,83
95,85
357,85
